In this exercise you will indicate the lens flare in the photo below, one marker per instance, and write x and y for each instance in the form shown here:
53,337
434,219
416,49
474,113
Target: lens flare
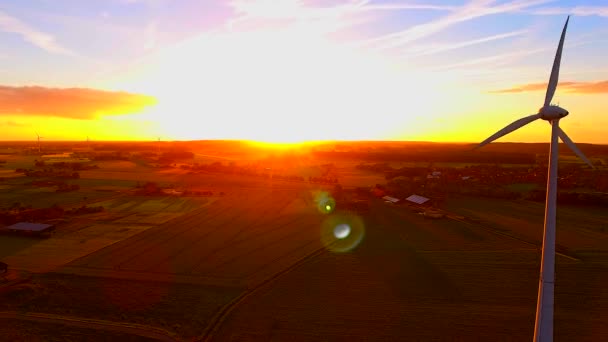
325,203
342,231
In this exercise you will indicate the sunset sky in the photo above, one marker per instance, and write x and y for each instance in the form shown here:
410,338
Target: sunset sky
296,70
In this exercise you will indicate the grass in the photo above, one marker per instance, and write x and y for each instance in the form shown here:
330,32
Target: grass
522,187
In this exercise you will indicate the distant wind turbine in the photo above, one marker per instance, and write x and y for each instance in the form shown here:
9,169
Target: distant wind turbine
38,139
543,328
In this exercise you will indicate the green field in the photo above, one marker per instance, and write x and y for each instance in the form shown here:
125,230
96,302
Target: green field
46,197
579,228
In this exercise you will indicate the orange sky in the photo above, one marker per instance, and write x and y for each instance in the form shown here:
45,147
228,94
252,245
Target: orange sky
302,71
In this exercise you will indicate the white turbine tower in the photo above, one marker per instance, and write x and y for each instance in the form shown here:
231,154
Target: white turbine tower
543,328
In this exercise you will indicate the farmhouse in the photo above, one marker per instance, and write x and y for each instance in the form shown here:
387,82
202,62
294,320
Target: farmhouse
389,199
416,199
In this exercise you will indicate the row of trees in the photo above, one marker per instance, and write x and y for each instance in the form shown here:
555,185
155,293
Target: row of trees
18,212
75,166
252,171
153,189
49,173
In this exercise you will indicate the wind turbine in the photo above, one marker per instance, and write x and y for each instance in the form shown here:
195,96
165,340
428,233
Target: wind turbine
543,328
38,138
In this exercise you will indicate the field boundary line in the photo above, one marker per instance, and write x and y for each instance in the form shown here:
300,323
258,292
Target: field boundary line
222,315
91,323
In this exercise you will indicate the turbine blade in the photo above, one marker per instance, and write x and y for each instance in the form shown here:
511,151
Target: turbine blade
510,128
555,71
566,139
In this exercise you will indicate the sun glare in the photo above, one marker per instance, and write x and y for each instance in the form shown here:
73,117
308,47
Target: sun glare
276,86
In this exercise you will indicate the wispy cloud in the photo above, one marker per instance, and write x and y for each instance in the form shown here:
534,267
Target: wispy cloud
290,12
570,87
74,103
495,60
38,38
369,6
436,48
601,11
469,11
150,36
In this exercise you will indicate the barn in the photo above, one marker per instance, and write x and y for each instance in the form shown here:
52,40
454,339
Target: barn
418,200
389,199
31,228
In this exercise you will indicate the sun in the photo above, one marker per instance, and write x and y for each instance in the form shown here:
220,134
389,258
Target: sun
277,86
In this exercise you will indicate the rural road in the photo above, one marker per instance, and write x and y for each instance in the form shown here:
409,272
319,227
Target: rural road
125,328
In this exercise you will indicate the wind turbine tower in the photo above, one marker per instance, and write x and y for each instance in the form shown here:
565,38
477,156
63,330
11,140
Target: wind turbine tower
38,137
543,328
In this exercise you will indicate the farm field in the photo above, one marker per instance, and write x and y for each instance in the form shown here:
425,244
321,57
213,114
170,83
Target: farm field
237,240
179,263
183,309
407,282
125,216
410,279
579,229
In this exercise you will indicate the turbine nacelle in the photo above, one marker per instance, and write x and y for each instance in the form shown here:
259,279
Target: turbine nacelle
552,112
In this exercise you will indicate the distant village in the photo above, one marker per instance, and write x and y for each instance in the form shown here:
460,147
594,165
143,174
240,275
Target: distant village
578,184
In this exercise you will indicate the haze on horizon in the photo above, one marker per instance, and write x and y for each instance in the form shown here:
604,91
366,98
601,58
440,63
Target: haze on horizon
298,70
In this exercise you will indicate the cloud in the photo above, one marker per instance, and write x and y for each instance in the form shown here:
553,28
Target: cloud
40,39
570,87
258,13
471,10
150,36
582,11
436,48
399,6
74,103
